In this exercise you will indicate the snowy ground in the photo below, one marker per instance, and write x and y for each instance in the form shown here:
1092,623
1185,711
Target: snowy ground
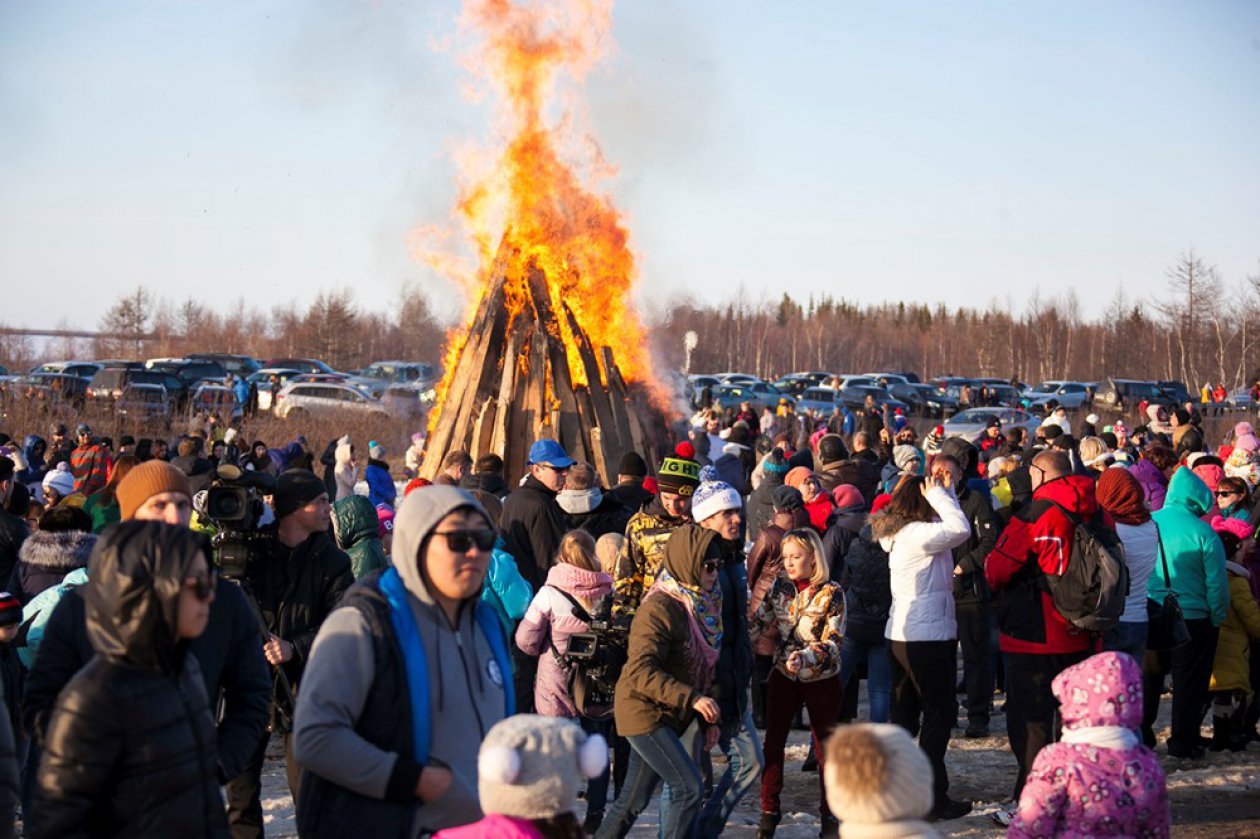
1218,796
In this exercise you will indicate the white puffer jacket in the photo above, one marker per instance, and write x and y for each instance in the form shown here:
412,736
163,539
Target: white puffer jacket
921,569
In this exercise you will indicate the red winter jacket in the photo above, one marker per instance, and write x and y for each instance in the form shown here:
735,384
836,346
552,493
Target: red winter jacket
1038,541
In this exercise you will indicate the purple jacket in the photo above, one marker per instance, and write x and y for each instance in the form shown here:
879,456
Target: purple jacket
1101,781
1154,484
550,621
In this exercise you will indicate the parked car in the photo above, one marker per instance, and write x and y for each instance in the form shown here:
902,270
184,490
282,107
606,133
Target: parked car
209,398
757,395
737,378
405,401
190,371
398,372
1126,394
237,365
1005,394
855,397
887,380
925,400
107,386
1240,400
1176,392
261,380
1070,395
305,365
794,385
144,403
821,400
55,389
971,423
83,369
299,400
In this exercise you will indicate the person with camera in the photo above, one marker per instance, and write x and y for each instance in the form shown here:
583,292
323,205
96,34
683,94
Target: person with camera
404,680
667,681
298,579
562,608
228,652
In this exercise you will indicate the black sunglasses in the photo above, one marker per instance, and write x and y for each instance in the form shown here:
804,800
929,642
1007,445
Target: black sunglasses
460,541
203,584
1221,493
710,565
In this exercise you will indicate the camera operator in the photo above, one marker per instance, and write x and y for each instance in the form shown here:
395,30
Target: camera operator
228,652
298,578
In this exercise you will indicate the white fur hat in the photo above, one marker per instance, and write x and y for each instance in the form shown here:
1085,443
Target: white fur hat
532,767
875,774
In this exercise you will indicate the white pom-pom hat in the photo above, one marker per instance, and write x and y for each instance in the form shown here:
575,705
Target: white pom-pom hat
532,767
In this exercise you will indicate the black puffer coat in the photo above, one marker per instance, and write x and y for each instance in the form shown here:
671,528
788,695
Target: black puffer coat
532,526
867,592
130,748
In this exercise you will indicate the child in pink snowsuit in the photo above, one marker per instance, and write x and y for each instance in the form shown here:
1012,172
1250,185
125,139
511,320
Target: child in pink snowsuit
1099,780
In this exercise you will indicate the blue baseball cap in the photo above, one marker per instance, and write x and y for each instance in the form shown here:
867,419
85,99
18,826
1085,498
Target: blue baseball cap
551,453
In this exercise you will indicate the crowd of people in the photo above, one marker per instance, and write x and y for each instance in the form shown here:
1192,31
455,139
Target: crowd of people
607,637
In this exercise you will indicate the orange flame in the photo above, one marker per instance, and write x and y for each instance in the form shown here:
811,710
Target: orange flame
529,197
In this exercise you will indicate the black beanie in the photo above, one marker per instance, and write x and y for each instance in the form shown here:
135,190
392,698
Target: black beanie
295,488
632,464
786,499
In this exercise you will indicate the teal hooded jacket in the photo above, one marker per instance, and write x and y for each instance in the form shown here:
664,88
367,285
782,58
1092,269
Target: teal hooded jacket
1196,557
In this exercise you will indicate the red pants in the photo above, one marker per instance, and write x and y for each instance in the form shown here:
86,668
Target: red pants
784,697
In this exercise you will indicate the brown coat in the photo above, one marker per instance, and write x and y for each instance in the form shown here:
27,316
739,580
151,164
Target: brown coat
765,560
655,688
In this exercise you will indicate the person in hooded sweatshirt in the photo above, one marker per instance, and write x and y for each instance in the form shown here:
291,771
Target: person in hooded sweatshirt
1099,780
404,679
129,750
1195,560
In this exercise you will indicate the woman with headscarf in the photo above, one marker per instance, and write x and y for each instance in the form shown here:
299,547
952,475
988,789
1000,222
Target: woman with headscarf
130,747
1120,496
674,643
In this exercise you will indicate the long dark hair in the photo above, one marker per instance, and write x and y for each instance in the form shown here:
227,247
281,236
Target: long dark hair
908,501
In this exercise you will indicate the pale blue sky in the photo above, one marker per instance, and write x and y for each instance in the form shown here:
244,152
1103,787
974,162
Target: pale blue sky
956,152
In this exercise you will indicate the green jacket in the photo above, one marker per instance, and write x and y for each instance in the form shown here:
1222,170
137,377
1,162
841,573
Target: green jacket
358,532
1196,557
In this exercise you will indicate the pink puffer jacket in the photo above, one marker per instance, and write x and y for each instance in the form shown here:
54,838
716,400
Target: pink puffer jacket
550,621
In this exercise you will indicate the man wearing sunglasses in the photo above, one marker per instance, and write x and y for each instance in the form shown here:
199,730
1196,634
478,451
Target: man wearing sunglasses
404,681
228,652
717,506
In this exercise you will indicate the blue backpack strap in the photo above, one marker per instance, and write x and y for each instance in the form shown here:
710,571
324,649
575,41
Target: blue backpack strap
496,637
416,663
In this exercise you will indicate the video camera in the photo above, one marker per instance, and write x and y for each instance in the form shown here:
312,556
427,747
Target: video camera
599,654
234,504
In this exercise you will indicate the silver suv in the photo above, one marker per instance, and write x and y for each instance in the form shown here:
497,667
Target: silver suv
299,400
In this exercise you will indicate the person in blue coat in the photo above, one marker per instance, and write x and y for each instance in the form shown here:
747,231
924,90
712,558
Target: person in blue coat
381,489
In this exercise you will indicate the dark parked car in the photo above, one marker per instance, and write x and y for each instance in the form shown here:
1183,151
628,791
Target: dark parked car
107,385
55,389
1126,394
237,365
1176,392
926,400
306,365
190,371
854,397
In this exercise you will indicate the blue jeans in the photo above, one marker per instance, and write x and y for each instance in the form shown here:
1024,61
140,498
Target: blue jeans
738,740
1127,638
878,675
658,756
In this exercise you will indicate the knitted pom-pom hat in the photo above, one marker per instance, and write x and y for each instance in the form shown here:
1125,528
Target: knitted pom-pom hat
876,775
531,767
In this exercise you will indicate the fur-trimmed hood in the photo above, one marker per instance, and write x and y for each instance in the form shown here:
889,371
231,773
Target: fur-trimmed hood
886,524
63,550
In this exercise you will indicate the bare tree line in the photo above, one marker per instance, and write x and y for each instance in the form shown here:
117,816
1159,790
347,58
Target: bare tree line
1191,327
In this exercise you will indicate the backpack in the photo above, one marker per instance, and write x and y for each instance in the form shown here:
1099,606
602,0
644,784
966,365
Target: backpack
1090,594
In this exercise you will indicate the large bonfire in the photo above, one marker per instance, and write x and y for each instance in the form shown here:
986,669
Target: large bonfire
553,272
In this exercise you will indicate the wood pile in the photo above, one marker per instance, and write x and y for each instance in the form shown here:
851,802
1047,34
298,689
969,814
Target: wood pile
512,385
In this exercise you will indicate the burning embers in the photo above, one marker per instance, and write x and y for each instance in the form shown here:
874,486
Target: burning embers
554,270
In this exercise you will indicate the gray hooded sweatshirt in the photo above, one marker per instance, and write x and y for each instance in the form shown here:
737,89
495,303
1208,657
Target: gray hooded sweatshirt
466,687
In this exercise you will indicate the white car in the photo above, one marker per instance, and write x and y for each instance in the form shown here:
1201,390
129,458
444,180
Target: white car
1070,395
299,400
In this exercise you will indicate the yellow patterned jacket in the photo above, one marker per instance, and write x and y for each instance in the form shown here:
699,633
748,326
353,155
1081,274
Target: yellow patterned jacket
642,556
808,621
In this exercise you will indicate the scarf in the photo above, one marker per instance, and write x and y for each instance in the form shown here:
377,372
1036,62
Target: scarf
1103,736
704,616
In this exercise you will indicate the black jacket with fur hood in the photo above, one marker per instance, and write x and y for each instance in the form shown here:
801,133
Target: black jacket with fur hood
45,558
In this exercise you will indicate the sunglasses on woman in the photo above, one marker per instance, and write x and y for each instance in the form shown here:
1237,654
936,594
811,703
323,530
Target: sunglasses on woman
203,585
460,541
711,566
1224,493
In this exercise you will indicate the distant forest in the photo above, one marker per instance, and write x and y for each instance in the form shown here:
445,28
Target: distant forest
1192,327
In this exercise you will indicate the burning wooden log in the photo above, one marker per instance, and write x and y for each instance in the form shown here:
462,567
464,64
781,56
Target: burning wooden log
512,384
